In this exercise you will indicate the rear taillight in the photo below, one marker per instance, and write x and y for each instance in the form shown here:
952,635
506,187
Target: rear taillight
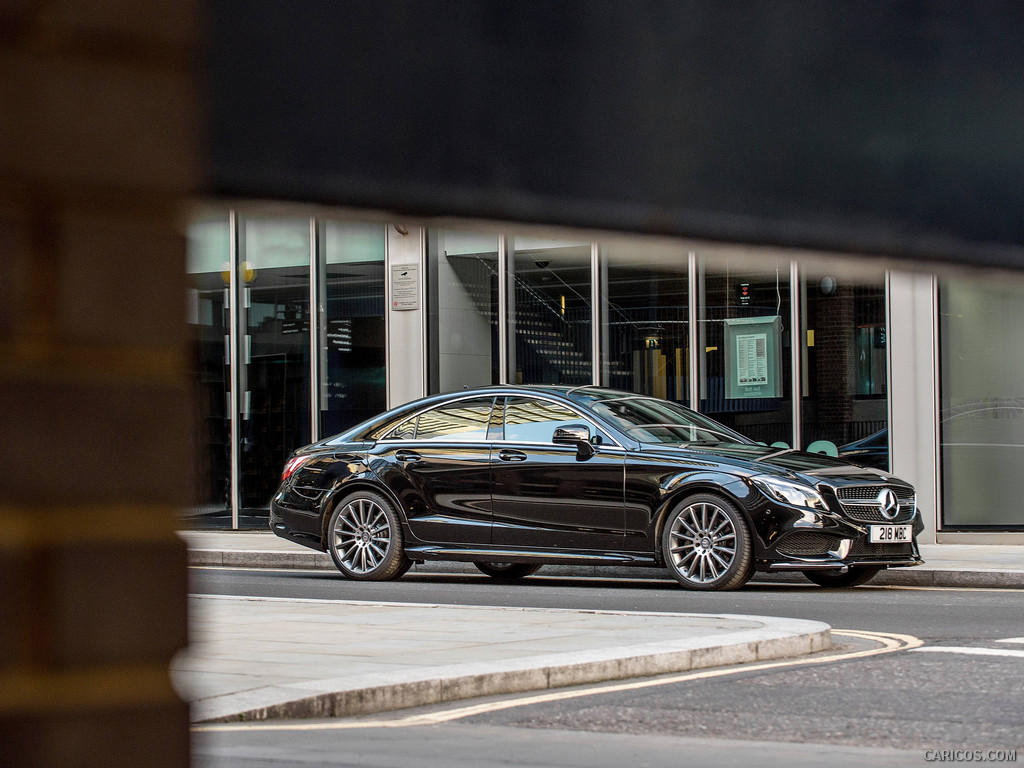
293,464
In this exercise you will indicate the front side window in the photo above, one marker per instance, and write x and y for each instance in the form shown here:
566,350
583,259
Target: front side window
530,420
464,421
657,421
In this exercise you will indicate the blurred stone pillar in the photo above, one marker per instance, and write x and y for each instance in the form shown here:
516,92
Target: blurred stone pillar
98,154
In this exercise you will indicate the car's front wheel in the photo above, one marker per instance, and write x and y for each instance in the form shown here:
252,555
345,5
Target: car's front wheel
706,544
508,571
364,537
856,575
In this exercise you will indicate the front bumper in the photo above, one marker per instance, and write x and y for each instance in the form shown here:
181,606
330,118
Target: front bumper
806,541
844,552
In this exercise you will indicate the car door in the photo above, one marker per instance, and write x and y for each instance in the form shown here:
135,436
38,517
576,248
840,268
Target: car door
438,464
548,495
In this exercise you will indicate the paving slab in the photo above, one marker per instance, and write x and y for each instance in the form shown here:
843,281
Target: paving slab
257,658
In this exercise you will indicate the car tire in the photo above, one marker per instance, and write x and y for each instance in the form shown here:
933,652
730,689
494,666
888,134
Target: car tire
508,571
706,544
857,575
364,537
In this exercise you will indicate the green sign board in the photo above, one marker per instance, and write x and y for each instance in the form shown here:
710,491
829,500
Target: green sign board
753,357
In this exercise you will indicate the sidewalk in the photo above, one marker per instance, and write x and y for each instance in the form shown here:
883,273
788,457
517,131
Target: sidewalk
946,565
257,658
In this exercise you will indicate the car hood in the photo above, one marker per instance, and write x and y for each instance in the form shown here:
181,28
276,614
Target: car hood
811,468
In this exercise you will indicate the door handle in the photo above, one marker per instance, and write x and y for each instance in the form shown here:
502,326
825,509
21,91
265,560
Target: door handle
507,455
407,456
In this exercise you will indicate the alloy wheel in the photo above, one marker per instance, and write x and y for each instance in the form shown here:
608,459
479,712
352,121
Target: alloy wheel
706,545
364,539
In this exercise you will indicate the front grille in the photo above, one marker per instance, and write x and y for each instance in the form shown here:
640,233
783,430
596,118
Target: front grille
859,503
852,492
863,547
808,544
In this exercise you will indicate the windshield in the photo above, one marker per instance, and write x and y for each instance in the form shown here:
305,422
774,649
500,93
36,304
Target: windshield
650,420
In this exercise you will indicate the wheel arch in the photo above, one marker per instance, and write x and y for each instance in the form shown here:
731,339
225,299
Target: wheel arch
703,486
342,492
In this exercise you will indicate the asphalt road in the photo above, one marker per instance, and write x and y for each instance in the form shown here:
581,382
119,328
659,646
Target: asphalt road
962,693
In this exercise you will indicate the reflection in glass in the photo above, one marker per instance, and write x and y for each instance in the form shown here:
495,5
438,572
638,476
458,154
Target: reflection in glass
275,406
654,421
645,320
463,332
464,421
845,406
352,335
208,254
981,327
744,310
535,421
551,311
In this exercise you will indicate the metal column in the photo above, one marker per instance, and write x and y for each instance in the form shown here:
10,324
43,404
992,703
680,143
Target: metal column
693,314
503,307
796,345
595,315
235,380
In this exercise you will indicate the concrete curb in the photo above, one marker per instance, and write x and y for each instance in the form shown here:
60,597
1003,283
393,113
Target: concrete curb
366,694
920,576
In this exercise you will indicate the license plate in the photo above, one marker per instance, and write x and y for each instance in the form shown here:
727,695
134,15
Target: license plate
890,534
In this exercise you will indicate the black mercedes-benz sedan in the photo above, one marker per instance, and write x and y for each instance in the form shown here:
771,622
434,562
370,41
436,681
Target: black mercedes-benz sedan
513,477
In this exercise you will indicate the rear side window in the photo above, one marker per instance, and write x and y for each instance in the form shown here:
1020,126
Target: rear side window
404,431
463,421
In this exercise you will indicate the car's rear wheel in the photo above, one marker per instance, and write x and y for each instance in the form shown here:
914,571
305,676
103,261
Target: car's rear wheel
858,574
706,544
364,537
508,571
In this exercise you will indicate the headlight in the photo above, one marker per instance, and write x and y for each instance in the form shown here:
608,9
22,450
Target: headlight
797,494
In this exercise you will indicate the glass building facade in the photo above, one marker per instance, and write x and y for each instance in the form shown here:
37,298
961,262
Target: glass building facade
288,317
301,331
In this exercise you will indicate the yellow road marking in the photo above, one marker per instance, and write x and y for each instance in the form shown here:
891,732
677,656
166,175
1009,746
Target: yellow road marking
890,642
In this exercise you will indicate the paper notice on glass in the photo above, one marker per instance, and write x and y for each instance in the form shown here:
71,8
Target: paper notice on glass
405,286
752,360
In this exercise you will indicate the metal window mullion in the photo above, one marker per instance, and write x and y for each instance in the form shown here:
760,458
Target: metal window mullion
503,330
936,412
795,353
595,315
315,309
234,365
888,366
693,314
387,317
424,265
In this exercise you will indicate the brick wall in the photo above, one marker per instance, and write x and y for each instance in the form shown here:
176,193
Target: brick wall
835,323
98,152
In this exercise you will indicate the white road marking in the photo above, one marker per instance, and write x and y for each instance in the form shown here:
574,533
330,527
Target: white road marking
890,642
1018,640
970,651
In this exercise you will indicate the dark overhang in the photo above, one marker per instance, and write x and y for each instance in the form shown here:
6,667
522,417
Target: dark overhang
892,128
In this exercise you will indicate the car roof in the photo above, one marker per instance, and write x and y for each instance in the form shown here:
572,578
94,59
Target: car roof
560,391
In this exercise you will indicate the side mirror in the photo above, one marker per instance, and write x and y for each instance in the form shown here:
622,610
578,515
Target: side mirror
575,434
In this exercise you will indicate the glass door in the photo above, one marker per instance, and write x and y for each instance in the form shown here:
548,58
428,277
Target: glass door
351,328
274,387
208,275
